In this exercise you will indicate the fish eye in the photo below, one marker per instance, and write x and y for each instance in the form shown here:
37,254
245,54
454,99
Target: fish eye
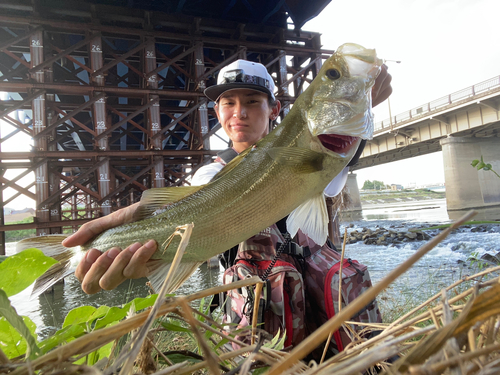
333,74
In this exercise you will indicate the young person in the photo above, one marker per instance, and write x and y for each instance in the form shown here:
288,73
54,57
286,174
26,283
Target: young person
245,105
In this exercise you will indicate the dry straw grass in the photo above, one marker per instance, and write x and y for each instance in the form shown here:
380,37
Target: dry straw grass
451,333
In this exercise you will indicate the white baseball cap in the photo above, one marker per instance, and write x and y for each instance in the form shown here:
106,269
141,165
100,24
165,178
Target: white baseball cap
242,74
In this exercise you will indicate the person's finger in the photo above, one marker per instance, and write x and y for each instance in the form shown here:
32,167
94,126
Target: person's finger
87,261
138,266
382,96
90,283
86,232
114,275
382,89
91,229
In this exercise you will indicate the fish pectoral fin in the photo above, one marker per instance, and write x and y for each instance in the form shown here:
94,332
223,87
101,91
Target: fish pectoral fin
181,274
303,160
50,246
311,217
157,198
232,164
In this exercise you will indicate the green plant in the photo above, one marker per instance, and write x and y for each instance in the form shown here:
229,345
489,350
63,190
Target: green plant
17,333
480,164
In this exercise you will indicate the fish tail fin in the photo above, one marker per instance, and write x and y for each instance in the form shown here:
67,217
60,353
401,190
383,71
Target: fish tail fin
181,274
51,246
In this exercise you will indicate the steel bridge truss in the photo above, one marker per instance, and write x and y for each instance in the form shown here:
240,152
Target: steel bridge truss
115,105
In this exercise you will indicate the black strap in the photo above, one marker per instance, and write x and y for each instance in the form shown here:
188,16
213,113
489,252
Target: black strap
358,153
265,275
227,155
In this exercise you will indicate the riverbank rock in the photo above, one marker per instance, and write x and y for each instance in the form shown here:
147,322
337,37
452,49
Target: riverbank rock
397,235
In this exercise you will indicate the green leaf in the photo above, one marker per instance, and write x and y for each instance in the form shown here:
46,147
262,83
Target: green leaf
63,336
175,327
19,271
260,371
99,313
11,341
79,315
142,303
221,343
474,162
487,167
480,166
103,352
277,342
14,328
116,313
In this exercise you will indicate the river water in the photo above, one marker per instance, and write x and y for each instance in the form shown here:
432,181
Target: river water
444,264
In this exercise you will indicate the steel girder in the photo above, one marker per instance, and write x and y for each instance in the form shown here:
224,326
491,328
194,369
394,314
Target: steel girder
115,108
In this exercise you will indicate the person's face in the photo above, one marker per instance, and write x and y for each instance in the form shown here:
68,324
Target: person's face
244,115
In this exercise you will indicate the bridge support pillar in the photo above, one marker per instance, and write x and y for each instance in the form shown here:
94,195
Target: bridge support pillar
467,187
352,186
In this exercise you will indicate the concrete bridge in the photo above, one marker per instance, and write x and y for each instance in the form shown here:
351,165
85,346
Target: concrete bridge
465,125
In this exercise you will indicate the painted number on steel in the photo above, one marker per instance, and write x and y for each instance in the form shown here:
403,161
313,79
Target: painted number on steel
103,177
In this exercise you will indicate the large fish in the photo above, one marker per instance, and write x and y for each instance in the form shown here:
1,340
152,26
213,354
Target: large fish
285,171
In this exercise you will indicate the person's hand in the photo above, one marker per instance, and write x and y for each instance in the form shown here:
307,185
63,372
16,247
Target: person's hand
91,229
107,270
382,89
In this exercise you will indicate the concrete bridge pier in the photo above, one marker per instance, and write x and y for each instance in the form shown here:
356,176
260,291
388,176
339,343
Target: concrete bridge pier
352,186
466,187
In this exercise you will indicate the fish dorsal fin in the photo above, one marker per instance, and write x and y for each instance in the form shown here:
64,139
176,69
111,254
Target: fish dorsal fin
181,274
157,198
303,160
232,164
311,217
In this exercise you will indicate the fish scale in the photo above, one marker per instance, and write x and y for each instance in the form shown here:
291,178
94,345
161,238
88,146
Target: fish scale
285,171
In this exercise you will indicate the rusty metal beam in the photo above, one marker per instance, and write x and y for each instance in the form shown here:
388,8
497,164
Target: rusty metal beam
298,74
82,187
125,120
16,104
173,123
18,194
18,125
171,61
218,42
227,61
108,66
19,38
80,177
67,51
20,189
70,58
82,155
73,89
126,177
125,184
70,115
17,58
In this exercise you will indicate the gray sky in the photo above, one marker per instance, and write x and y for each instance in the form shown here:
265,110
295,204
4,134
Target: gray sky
444,46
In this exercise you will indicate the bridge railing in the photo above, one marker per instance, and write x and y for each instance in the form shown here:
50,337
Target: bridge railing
438,103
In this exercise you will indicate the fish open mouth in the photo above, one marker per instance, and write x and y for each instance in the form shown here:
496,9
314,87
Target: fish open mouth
337,143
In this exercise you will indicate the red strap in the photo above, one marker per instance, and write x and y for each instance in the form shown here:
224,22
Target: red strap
288,319
330,309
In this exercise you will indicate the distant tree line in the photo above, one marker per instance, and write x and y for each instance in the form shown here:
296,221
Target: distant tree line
375,185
